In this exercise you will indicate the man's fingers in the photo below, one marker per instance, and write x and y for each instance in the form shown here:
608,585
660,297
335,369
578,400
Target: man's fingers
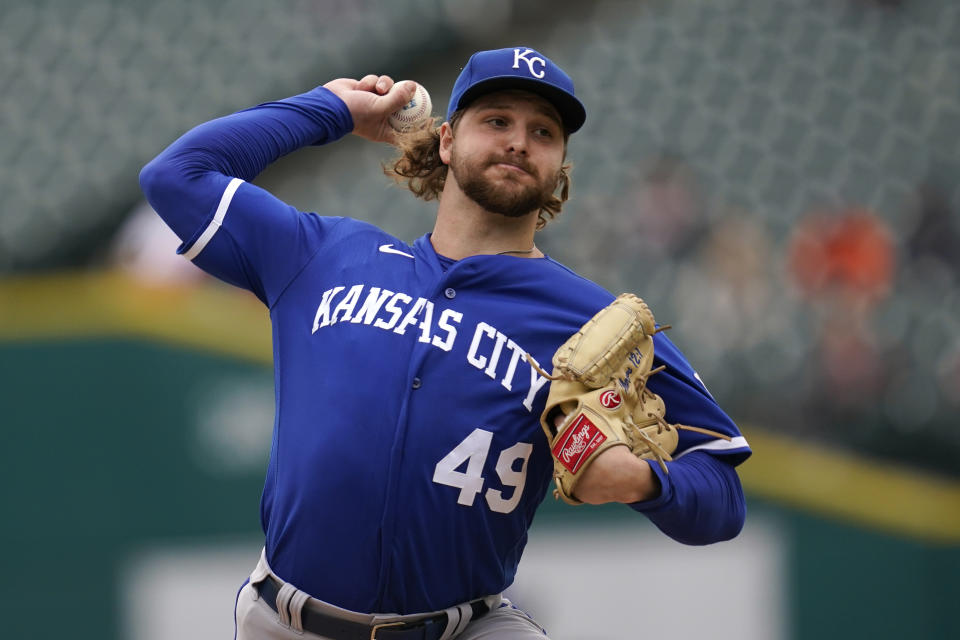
384,84
368,83
380,85
400,94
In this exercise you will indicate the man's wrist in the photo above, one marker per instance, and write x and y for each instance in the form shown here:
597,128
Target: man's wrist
617,475
647,486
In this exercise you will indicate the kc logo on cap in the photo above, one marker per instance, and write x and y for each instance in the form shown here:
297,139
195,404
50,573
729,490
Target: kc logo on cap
518,68
517,57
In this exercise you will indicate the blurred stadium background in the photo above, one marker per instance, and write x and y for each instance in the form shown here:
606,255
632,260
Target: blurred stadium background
778,178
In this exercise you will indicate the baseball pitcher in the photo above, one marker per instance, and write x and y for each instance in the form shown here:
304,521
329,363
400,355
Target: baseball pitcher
429,396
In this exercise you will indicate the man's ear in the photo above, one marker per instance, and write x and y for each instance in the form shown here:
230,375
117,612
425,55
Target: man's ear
446,141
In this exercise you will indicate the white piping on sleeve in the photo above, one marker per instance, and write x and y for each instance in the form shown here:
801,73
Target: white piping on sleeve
214,225
718,445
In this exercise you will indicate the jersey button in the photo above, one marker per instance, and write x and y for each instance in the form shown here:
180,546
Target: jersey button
416,383
450,293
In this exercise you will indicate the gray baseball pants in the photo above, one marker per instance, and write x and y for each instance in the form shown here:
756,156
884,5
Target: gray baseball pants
255,620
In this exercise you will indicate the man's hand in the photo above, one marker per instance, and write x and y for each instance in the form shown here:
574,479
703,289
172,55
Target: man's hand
371,100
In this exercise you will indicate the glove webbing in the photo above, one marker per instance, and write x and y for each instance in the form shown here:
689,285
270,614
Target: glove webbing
570,375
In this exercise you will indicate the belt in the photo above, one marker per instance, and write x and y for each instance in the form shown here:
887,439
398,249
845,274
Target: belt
321,624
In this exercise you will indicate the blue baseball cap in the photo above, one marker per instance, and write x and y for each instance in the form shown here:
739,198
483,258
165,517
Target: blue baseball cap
518,68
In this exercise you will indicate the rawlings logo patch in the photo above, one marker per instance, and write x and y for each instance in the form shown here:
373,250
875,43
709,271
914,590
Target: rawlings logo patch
580,440
610,399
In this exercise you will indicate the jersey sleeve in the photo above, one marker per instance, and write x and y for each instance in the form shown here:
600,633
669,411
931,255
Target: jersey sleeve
689,402
230,228
701,499
256,241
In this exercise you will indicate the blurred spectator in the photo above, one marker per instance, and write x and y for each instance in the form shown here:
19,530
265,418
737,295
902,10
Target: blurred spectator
723,295
641,234
846,256
146,249
633,240
933,243
668,218
843,265
929,349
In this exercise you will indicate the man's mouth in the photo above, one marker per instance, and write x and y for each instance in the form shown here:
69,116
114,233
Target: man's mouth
513,167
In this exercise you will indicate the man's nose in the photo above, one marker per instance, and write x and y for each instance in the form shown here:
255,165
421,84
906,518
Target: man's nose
518,142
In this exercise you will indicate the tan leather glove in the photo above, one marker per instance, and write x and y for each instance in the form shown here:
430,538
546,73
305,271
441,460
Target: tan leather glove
600,385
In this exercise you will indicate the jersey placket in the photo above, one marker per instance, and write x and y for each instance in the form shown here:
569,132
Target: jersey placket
438,287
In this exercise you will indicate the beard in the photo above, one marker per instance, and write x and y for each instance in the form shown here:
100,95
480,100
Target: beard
508,196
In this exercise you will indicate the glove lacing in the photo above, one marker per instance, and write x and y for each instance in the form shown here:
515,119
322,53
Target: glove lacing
659,452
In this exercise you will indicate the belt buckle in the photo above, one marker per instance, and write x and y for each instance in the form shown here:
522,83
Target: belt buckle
377,627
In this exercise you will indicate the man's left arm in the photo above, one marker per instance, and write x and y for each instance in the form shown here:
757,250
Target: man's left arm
632,422
700,501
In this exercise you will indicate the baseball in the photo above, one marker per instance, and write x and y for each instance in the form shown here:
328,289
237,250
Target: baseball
413,114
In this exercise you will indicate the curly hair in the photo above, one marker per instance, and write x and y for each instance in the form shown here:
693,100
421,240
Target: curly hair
420,167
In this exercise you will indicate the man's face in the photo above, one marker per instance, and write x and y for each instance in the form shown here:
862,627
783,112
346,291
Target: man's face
506,152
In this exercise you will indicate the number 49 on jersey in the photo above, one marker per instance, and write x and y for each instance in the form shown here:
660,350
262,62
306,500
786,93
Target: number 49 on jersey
473,451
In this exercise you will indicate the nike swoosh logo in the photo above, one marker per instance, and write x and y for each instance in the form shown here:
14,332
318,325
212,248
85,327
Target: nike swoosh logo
388,248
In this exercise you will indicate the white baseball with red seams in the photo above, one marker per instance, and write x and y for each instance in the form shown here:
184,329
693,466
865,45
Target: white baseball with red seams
414,113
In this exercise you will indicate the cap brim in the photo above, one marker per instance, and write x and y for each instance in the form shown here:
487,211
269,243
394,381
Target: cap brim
571,110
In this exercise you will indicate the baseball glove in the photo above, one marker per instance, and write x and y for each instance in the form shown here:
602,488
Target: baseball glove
600,385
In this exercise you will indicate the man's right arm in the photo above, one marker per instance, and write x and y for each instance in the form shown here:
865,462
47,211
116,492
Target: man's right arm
186,181
235,230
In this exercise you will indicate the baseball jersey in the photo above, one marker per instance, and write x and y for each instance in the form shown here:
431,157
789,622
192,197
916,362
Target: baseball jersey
407,459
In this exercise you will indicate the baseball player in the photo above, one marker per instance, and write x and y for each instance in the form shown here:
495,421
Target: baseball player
408,456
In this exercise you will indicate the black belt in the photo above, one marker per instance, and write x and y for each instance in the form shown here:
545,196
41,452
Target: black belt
322,624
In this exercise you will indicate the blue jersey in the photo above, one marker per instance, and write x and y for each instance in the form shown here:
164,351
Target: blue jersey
407,459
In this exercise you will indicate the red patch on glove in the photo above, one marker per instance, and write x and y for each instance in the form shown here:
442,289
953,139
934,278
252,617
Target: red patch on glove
579,441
